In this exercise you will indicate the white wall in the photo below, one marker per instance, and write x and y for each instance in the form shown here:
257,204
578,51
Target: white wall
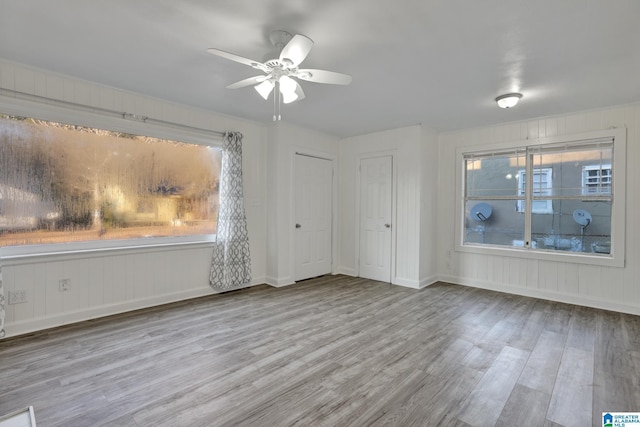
428,207
604,287
284,141
414,151
109,282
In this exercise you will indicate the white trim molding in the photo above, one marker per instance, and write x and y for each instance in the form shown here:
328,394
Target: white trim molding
543,294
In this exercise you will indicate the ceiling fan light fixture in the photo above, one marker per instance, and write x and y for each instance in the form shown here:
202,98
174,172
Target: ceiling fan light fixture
288,98
287,85
264,88
508,100
290,90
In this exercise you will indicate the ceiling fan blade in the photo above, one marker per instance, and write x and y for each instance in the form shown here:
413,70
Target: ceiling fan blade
233,57
296,50
323,76
247,82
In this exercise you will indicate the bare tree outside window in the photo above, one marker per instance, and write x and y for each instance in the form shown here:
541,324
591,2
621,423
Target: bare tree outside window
62,183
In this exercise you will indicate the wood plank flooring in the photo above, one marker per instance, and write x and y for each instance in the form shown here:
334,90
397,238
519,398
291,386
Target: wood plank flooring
332,351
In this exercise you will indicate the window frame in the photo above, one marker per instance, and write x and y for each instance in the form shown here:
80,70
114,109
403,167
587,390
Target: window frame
616,258
99,120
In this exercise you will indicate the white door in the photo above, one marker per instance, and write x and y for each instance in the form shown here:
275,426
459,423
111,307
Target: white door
375,218
313,212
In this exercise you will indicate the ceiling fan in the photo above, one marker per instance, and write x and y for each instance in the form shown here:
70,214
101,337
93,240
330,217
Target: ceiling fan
280,72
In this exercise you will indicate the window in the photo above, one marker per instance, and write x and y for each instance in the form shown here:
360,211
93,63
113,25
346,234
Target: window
542,185
596,179
63,183
555,198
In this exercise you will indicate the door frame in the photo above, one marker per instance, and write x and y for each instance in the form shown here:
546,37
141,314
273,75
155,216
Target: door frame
394,195
323,155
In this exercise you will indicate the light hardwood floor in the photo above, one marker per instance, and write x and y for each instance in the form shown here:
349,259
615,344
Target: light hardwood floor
335,351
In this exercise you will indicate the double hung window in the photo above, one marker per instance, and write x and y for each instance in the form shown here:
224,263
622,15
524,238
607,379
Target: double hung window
558,197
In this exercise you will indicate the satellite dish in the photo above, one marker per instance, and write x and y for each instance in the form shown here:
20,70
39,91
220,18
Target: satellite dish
582,217
481,212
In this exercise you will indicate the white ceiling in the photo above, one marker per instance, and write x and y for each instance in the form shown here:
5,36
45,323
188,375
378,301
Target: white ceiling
440,63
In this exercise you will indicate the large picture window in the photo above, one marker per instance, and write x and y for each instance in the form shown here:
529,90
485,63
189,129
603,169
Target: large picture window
561,196
62,183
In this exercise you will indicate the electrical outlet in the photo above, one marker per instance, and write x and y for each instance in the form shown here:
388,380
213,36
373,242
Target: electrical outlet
64,285
17,297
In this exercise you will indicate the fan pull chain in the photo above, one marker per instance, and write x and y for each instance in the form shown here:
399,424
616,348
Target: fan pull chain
278,102
275,94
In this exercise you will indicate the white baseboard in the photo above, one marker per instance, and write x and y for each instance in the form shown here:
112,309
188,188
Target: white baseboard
278,283
281,285
38,324
543,294
415,284
428,281
407,283
33,325
347,271
256,281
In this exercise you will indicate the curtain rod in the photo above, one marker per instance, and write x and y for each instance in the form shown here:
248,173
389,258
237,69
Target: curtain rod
105,111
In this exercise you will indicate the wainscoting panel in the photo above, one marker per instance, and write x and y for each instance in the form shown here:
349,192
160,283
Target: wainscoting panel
115,283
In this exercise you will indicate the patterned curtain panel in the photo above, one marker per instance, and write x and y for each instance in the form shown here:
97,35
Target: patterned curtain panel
1,305
231,264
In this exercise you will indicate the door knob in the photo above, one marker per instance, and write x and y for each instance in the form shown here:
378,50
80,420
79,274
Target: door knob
298,226
387,225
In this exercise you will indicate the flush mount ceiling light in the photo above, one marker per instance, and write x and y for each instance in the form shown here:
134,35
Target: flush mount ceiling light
508,100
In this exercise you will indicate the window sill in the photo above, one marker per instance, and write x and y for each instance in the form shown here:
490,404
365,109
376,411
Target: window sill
544,255
30,254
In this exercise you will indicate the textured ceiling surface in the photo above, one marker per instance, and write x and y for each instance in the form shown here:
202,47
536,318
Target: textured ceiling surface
439,63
